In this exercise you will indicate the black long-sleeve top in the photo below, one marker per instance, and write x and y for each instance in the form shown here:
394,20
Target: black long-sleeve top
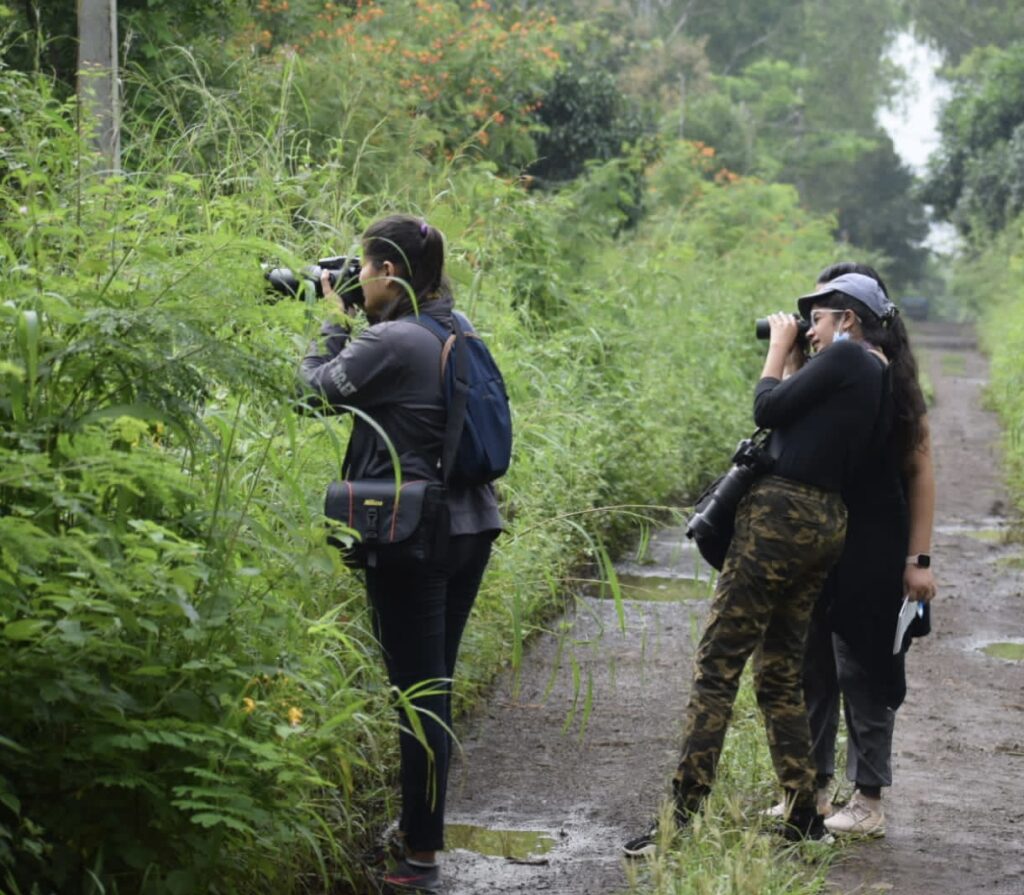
823,417
392,373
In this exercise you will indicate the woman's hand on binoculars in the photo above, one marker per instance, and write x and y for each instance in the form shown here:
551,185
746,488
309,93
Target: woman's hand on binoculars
796,358
784,330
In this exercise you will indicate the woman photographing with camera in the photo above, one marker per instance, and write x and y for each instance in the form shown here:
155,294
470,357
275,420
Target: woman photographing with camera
890,499
789,531
391,373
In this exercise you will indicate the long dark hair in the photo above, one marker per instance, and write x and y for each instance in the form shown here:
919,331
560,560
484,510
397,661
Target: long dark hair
417,251
891,337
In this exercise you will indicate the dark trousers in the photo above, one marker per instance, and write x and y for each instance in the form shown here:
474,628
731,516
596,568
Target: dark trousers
787,537
832,669
419,615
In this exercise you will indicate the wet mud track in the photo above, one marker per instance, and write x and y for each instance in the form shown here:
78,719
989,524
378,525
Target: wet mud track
579,747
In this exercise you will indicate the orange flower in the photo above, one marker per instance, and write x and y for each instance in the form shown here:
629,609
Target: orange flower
294,716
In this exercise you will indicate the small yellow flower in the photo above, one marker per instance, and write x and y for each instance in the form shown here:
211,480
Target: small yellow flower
294,716
248,705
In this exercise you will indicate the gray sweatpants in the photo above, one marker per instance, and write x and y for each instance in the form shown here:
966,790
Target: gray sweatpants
831,670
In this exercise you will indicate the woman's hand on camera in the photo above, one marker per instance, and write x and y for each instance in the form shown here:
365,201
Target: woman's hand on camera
336,306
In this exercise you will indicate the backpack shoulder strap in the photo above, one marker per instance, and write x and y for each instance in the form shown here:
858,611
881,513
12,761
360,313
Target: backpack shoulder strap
460,394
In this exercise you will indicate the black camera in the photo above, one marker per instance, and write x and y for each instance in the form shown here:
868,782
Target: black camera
343,271
763,330
716,508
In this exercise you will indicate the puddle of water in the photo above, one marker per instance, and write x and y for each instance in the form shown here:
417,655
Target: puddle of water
1012,651
989,535
654,589
520,845
1014,561
991,528
952,364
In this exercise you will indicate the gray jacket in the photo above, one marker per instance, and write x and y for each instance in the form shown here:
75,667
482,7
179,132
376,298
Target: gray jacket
392,373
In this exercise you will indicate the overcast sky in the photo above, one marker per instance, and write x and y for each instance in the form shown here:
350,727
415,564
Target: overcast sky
912,118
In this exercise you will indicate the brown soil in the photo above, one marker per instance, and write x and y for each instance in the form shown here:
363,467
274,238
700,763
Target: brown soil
956,809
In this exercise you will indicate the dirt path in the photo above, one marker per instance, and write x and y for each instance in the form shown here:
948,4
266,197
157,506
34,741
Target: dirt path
956,810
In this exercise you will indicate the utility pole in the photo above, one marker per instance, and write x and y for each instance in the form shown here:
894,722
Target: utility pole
99,108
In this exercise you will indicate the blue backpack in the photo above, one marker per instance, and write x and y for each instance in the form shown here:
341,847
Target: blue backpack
478,436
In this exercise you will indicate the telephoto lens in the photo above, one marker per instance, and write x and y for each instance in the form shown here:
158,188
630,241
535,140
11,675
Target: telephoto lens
719,513
763,330
342,270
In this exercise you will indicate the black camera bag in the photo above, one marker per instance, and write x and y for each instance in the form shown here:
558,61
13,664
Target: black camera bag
396,525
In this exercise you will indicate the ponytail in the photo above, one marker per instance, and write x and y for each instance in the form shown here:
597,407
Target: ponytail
414,247
891,337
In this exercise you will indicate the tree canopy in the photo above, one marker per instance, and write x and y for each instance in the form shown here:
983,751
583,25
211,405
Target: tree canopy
976,178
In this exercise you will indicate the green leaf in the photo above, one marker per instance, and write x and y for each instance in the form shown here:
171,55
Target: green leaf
208,819
24,629
10,744
151,671
71,631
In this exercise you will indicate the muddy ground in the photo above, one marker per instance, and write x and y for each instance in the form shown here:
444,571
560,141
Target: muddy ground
956,809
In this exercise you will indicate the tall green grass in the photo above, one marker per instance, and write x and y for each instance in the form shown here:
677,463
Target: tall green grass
989,282
192,697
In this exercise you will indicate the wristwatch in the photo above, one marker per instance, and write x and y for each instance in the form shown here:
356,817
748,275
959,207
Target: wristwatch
921,560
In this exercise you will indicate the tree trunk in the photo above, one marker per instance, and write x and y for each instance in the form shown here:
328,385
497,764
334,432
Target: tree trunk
98,81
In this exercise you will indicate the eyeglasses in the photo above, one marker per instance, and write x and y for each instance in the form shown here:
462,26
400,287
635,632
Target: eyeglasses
818,313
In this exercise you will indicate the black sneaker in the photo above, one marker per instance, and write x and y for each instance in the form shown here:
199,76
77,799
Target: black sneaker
642,845
408,877
390,847
684,809
804,824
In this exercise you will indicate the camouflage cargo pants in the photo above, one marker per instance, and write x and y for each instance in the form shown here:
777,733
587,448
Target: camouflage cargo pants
787,537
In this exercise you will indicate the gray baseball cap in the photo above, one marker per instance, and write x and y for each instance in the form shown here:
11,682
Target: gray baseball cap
857,286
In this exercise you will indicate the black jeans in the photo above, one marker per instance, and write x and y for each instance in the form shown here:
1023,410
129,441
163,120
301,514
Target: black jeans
419,614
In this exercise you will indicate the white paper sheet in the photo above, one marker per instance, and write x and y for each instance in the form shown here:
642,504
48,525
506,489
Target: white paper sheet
908,612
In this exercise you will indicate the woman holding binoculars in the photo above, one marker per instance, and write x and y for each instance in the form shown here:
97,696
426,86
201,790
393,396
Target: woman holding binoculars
789,532
890,501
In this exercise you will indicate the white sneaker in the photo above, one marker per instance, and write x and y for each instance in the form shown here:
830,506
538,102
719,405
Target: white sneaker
860,816
824,803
